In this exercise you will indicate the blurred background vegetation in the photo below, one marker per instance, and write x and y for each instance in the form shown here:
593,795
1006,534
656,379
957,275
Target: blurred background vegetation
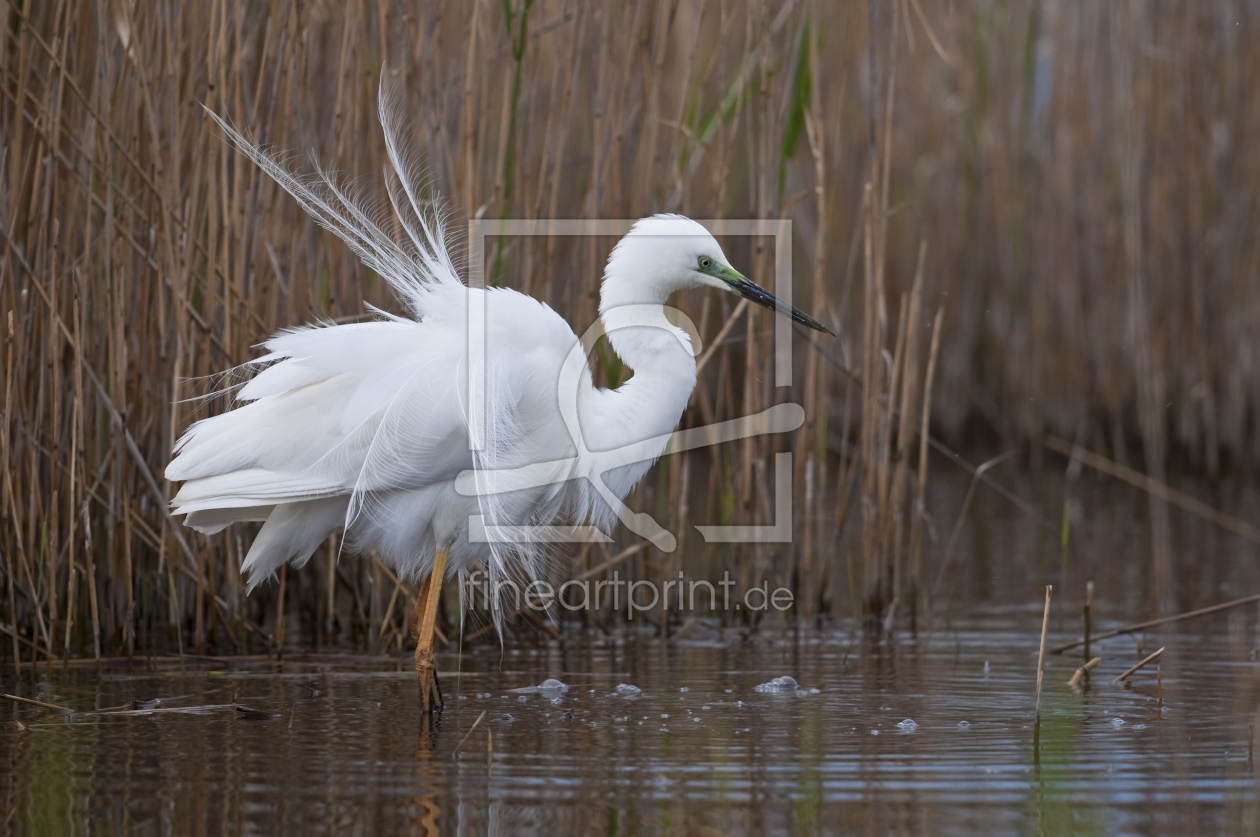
1059,197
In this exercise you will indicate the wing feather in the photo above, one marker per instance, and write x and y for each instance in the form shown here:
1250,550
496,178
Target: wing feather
348,426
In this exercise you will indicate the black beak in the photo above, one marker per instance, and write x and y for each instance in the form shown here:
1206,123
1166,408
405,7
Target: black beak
753,292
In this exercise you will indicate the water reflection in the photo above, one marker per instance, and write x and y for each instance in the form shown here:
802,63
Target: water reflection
341,750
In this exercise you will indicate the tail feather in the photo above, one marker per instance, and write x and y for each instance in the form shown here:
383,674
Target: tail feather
292,533
213,521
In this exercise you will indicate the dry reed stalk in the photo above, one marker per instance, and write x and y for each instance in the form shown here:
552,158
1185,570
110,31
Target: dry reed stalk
920,509
1041,654
1141,626
1155,488
470,731
813,433
1132,669
185,257
7,500
1089,616
976,478
872,343
905,405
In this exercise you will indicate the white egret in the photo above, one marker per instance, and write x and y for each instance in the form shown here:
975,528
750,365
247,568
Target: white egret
365,428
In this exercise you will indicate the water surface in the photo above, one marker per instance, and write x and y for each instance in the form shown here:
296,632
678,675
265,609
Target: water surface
336,747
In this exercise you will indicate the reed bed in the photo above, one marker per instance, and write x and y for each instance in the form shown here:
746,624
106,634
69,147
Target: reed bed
1054,178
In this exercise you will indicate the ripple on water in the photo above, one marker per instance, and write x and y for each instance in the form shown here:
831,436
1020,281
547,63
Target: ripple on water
1112,754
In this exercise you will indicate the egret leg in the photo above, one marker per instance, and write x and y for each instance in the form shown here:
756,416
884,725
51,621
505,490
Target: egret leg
423,619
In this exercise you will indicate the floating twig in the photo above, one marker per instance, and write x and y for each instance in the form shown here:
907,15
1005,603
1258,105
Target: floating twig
1148,659
39,703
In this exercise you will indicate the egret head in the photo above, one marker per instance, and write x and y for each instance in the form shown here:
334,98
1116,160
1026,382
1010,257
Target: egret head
668,253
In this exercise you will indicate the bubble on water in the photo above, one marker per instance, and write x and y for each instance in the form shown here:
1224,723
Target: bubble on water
1139,726
665,715
739,703
908,725
705,706
549,685
964,724
802,693
461,697
813,691
626,690
521,699
784,684
874,732
728,691
507,717
684,689
885,709
697,720
1117,722
986,666
557,701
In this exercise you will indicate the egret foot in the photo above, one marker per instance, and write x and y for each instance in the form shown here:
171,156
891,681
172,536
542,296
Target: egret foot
423,619
430,691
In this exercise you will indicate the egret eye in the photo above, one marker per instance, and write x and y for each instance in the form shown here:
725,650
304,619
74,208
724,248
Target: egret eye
705,262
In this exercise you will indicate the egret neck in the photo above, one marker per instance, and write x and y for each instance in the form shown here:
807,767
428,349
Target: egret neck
652,401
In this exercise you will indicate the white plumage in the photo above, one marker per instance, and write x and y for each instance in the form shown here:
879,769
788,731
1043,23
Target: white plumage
364,428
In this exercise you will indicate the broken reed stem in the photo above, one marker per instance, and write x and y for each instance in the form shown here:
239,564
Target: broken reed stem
1084,671
1130,671
1041,654
470,731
